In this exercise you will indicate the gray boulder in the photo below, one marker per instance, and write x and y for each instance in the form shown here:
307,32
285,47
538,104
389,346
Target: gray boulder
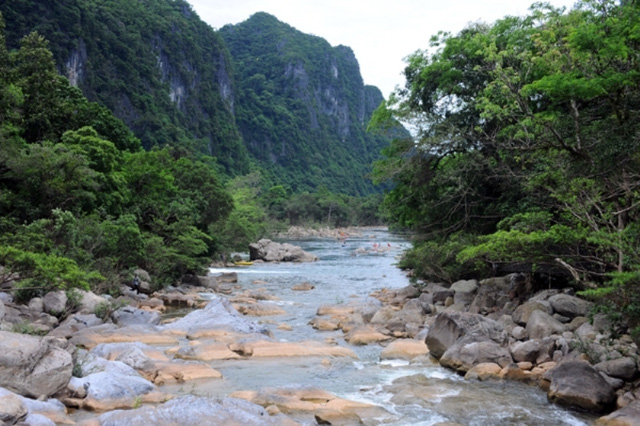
492,296
626,416
522,312
570,306
451,328
55,302
541,325
2,310
198,410
535,351
12,410
89,301
129,315
462,357
465,286
622,368
577,384
270,251
33,366
218,314
75,323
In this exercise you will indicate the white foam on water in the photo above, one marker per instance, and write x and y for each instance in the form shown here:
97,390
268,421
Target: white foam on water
245,270
395,363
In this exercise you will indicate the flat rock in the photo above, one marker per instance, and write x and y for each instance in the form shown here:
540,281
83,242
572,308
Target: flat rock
198,411
404,349
218,314
264,348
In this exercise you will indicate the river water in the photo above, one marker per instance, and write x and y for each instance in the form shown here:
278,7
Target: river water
434,393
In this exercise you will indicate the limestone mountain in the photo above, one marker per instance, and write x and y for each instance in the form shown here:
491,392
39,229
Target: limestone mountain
302,106
257,95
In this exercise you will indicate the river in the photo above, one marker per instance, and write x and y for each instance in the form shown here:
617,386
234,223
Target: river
340,277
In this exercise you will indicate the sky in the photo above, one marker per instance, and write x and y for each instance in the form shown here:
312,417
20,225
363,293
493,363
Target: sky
380,32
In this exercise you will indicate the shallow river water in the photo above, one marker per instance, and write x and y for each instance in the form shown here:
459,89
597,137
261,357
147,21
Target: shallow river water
340,277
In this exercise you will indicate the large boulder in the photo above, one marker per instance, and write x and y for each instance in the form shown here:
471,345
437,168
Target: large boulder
2,310
570,306
451,328
55,302
492,295
12,410
33,366
541,324
622,368
523,312
463,356
270,251
577,384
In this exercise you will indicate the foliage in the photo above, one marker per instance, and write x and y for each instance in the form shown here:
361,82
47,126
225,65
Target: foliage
79,209
527,149
155,64
302,107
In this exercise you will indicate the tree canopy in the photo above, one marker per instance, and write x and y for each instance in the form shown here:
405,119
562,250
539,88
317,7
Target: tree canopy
526,154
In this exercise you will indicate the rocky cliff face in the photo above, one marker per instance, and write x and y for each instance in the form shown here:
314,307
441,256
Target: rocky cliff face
303,106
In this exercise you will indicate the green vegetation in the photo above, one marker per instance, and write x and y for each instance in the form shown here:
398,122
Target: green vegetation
302,107
80,206
527,152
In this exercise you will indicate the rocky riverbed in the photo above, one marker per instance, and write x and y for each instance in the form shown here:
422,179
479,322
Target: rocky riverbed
146,365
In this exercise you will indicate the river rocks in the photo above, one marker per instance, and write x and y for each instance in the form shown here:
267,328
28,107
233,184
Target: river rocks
303,287
270,349
89,301
577,384
270,251
129,315
207,351
570,306
109,391
627,416
314,404
534,350
404,349
55,302
218,314
456,327
541,324
75,323
198,410
260,309
523,312
109,333
12,410
46,412
365,335
622,368
33,366
461,357
484,371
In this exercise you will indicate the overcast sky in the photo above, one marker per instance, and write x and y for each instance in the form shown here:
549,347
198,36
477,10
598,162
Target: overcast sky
380,32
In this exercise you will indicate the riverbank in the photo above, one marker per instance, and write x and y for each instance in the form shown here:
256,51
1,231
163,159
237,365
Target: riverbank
339,340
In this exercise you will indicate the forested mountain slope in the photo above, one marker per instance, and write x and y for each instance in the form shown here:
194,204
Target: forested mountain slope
300,105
